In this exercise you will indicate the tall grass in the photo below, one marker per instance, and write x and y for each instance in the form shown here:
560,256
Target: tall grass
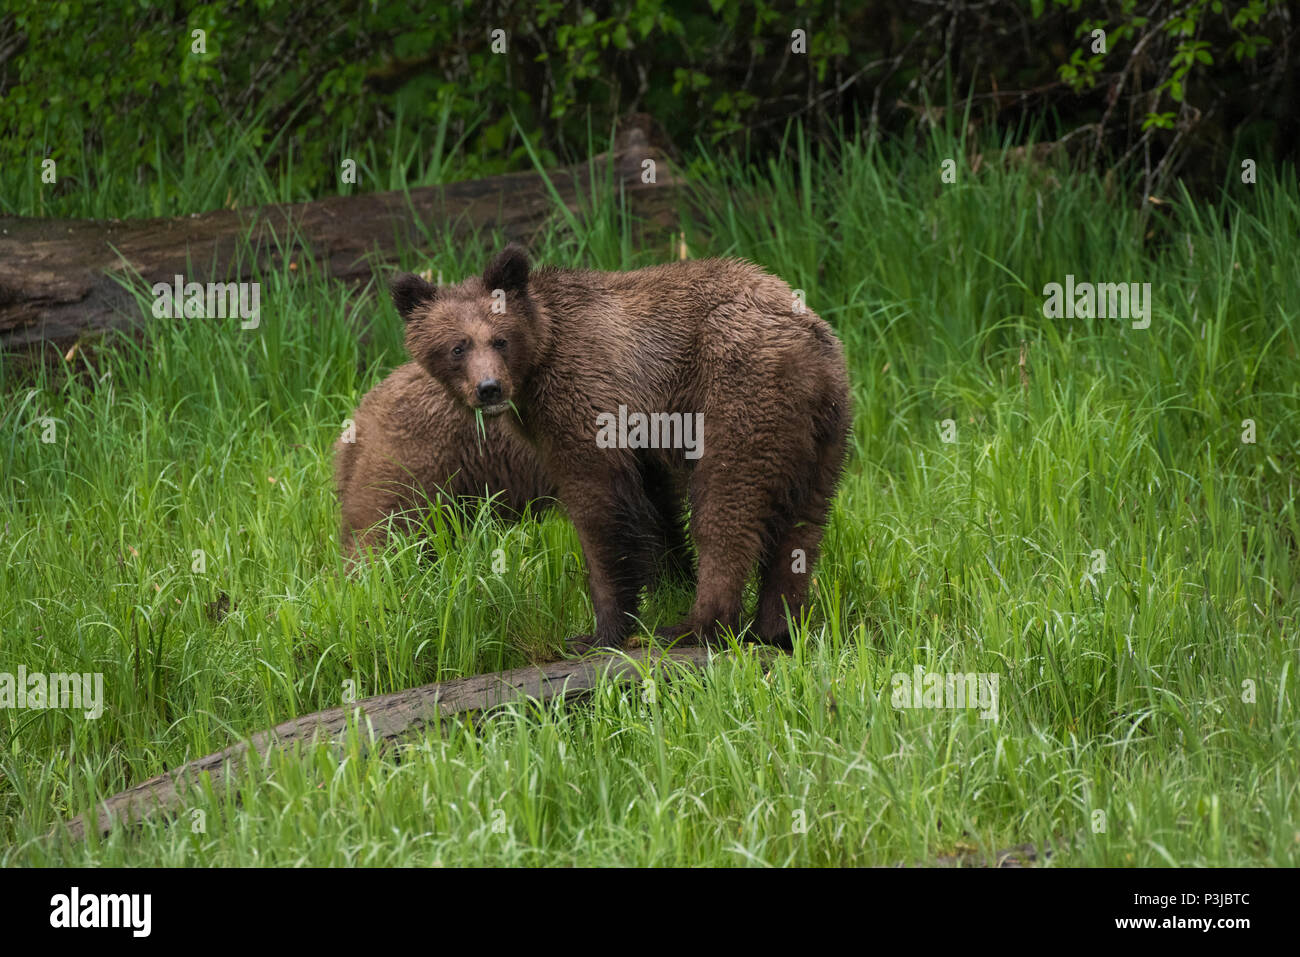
1097,535
223,169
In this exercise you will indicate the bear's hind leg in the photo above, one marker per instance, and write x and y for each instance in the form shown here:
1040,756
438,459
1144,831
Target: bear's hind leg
726,519
618,528
784,579
673,563
794,538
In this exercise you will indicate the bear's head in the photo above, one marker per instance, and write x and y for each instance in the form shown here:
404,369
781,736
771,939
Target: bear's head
475,337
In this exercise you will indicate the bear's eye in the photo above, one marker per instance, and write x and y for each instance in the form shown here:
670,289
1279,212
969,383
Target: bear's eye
458,351
498,344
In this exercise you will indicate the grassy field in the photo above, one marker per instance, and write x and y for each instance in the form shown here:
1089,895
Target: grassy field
1096,534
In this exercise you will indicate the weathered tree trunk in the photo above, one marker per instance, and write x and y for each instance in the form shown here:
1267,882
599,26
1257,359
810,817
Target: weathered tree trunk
1022,855
389,717
56,276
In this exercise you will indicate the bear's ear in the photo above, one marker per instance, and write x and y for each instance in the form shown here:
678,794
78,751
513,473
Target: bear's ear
508,271
410,291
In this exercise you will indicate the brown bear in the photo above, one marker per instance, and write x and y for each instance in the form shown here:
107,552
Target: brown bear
708,376
409,444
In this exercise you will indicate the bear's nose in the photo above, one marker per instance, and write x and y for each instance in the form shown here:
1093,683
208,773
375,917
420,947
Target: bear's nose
489,390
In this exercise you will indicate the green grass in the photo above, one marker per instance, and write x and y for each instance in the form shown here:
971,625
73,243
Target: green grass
1123,692
224,168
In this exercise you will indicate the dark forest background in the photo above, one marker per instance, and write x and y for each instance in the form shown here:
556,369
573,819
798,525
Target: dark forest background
1171,88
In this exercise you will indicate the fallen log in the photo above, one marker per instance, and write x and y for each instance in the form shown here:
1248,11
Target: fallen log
387,717
1022,855
56,276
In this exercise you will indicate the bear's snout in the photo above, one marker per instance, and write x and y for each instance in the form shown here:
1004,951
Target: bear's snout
490,396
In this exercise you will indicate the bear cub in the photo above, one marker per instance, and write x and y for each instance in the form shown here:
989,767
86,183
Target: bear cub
412,443
560,355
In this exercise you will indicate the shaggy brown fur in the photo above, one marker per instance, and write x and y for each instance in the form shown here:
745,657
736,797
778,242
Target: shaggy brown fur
717,337
413,443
